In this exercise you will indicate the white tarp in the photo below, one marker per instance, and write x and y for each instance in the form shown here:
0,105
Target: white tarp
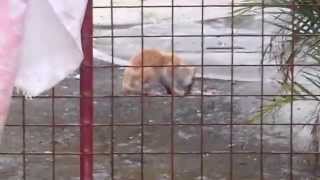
51,47
40,44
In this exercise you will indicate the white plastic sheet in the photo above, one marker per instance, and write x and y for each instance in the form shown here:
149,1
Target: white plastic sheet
51,47
40,44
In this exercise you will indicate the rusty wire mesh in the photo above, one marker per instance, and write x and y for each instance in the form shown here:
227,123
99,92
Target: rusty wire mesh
139,137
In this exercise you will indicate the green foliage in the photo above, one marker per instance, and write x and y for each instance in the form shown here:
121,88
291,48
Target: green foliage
274,105
299,22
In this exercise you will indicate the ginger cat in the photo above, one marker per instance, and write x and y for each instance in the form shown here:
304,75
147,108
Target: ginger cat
183,75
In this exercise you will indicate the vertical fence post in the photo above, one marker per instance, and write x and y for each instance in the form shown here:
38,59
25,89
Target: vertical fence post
86,99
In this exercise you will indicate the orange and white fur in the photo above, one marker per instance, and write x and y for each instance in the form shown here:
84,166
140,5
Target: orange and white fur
153,59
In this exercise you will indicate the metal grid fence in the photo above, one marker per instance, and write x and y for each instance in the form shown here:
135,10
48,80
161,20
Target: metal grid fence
86,97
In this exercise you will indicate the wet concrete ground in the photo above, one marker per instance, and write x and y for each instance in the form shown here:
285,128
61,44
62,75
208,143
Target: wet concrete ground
38,139
40,164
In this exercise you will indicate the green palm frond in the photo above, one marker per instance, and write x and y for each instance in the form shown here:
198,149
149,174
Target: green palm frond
300,19
272,106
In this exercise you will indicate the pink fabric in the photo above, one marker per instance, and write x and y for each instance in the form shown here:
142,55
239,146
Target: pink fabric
11,24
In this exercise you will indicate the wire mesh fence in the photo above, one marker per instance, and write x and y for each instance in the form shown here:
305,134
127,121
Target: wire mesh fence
237,122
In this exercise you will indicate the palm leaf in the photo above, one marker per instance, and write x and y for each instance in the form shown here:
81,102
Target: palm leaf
303,22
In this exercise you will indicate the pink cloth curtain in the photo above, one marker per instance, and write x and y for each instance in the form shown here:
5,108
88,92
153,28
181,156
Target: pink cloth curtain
11,28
